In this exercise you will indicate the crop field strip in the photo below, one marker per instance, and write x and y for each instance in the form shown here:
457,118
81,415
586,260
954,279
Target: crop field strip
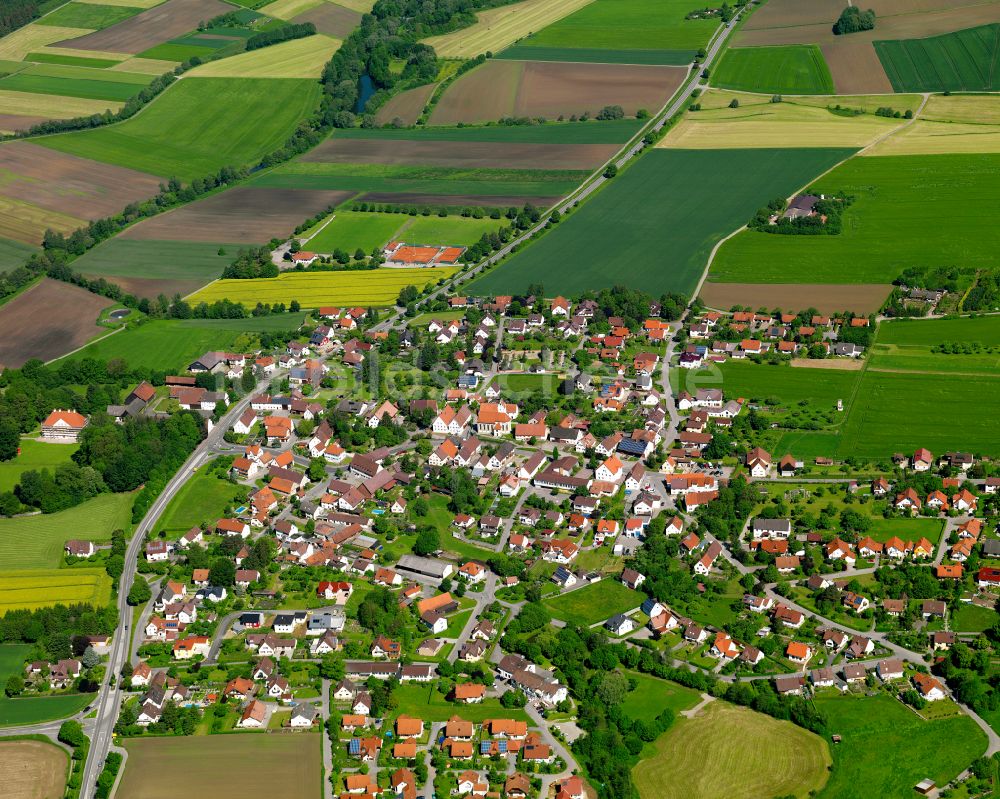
802,122
48,106
620,32
32,769
351,230
795,69
29,329
150,267
901,205
827,298
89,88
299,58
67,185
28,590
247,214
965,60
617,131
150,27
378,287
389,180
497,28
27,223
331,19
198,126
171,344
655,224
284,766
405,107
88,15
493,155
552,89
15,46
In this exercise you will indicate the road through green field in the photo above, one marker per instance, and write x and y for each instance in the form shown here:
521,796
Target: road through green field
653,226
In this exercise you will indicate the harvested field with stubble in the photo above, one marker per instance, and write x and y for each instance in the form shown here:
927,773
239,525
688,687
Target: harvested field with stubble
284,766
729,752
33,770
855,68
247,214
550,89
27,223
52,106
378,287
758,122
956,124
69,184
497,155
299,58
406,106
15,46
497,28
825,298
151,27
48,320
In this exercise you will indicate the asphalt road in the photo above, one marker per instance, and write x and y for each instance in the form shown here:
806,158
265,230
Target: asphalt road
109,699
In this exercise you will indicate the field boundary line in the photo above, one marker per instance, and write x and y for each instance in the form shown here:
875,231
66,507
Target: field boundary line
84,346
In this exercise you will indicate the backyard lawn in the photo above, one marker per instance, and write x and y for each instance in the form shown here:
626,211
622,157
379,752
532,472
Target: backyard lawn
34,455
427,703
593,603
885,749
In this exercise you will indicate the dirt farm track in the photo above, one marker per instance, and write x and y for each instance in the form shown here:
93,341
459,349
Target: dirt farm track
48,320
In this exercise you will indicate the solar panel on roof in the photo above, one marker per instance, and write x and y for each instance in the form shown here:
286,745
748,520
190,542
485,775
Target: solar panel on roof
354,746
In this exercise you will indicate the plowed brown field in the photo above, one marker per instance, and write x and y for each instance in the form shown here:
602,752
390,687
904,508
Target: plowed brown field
551,89
501,155
825,298
405,105
856,68
69,184
253,215
331,19
47,321
151,27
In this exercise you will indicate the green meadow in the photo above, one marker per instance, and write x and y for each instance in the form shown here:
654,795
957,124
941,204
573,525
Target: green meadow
36,542
198,126
171,344
926,210
34,455
654,225
621,31
88,15
795,69
422,179
962,61
886,749
146,258
202,500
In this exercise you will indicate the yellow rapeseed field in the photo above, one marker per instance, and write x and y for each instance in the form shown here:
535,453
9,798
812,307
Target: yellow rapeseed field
42,587
378,287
